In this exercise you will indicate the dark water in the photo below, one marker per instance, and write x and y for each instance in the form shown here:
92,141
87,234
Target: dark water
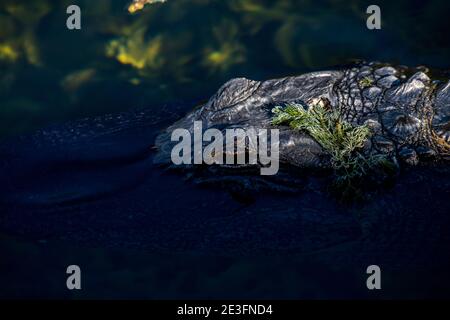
177,54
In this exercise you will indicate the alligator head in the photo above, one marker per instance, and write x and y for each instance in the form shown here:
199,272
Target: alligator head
407,112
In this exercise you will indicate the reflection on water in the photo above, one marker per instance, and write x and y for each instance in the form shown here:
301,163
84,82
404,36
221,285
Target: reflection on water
182,50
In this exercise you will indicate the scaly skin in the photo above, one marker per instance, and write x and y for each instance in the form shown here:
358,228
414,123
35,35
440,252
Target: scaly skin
409,116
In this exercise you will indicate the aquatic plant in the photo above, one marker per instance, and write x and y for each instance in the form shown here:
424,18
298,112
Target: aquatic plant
227,51
137,5
137,51
18,31
365,82
23,46
75,80
8,53
342,141
29,13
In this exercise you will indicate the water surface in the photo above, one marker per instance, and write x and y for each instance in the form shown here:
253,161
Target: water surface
175,55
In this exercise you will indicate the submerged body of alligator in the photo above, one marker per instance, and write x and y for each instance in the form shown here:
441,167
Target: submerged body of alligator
95,181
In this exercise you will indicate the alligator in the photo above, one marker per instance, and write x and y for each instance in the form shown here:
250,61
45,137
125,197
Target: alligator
101,181
409,116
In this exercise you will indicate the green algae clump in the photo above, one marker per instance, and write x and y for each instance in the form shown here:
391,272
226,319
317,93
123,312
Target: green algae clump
365,82
343,142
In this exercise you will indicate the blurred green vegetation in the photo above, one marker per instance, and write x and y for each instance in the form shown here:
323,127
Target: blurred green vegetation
181,51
